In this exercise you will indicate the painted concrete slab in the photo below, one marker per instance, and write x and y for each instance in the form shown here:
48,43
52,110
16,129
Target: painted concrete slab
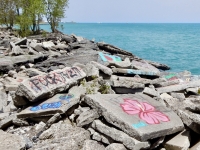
179,87
138,115
133,71
144,66
47,85
60,103
106,57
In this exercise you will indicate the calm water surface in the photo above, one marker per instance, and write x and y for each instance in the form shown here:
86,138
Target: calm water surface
177,45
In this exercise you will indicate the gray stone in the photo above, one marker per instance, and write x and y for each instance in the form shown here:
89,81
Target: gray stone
164,96
158,81
102,138
92,145
86,118
48,44
151,92
44,86
91,70
179,142
62,136
124,82
119,136
115,146
168,83
144,66
59,103
192,120
6,122
11,141
115,109
3,100
179,87
18,100
19,122
3,115
179,96
103,68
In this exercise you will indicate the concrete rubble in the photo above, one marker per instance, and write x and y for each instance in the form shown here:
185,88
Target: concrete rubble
69,93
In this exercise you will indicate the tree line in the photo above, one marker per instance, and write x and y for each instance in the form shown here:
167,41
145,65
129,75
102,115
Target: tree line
28,14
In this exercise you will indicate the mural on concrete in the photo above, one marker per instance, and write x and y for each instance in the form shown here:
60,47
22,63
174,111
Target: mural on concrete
106,57
40,82
145,111
53,105
171,77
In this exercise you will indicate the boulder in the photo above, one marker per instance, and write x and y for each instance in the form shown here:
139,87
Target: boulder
115,108
47,85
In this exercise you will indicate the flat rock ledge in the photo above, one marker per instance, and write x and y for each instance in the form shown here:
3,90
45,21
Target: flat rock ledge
69,93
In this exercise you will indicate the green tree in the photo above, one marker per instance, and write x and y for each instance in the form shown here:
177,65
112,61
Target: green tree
7,12
55,11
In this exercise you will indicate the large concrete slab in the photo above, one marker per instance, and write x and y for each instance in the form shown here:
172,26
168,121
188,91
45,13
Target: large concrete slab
179,87
47,85
60,103
138,115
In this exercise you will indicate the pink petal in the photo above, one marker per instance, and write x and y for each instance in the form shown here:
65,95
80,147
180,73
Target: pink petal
133,103
129,109
153,117
148,107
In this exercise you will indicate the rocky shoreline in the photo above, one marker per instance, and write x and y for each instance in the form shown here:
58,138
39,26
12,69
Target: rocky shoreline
65,92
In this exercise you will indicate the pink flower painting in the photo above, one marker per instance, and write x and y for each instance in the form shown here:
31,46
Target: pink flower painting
144,110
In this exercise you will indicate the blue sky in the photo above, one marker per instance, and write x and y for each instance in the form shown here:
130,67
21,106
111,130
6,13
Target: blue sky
134,11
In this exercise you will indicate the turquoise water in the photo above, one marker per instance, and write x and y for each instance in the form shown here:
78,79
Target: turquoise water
177,45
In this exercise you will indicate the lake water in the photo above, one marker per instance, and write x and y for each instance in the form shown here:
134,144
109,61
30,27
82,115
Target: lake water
177,45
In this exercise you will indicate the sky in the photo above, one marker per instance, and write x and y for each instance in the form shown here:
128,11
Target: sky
133,11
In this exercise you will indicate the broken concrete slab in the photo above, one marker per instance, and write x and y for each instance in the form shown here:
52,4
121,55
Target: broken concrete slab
21,41
11,141
119,136
179,87
102,138
179,96
103,68
48,44
151,92
115,108
44,86
59,103
122,82
168,83
6,122
193,90
91,70
115,146
189,118
144,66
120,64
92,145
134,72
86,118
179,142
